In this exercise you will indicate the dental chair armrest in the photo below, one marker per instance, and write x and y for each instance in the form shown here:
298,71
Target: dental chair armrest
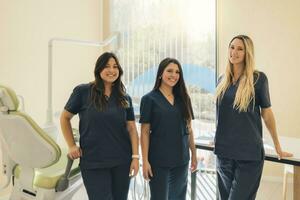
63,182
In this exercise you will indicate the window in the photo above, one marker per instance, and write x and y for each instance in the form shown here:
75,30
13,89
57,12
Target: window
184,29
152,30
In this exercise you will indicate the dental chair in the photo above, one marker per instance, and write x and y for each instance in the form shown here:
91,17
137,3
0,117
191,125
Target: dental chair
37,167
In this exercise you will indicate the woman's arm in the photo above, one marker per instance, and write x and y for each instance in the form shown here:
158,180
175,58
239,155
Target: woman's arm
269,119
134,167
192,146
145,137
66,127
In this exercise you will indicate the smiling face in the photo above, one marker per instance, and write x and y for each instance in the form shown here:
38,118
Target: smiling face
110,73
170,75
236,52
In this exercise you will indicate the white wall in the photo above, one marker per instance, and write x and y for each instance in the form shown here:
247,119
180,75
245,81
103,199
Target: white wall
26,27
274,27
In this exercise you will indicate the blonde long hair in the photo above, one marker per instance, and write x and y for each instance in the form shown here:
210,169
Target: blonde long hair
245,92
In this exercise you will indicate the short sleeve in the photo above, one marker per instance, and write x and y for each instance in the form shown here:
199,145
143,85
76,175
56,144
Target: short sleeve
145,109
74,103
129,110
264,95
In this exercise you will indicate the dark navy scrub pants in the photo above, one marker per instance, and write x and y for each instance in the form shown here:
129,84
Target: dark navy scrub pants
238,179
169,183
107,183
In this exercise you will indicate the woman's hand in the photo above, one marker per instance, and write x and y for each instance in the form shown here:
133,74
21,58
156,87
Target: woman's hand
147,171
194,163
282,154
269,119
74,152
134,167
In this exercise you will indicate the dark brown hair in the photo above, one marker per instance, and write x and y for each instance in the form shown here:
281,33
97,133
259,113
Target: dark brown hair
118,89
179,89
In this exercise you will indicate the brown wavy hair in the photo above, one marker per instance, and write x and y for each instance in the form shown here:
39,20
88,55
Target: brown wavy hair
118,89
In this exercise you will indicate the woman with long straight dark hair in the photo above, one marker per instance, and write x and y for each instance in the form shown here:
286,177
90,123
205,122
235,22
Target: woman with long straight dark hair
166,133
108,148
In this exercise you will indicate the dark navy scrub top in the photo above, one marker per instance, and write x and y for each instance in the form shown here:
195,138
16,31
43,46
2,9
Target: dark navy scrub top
239,134
104,138
169,144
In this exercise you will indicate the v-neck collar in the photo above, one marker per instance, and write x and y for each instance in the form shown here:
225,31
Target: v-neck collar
110,98
235,84
165,98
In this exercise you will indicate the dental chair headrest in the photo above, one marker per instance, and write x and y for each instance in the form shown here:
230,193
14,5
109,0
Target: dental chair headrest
8,98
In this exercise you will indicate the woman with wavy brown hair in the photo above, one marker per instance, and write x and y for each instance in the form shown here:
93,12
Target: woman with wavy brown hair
108,148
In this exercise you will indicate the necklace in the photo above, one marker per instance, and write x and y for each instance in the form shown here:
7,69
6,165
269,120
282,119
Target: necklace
106,97
165,93
235,80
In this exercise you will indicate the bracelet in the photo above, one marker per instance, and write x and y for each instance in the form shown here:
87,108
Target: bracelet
135,156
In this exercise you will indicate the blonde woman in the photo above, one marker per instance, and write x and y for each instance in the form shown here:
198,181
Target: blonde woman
242,100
